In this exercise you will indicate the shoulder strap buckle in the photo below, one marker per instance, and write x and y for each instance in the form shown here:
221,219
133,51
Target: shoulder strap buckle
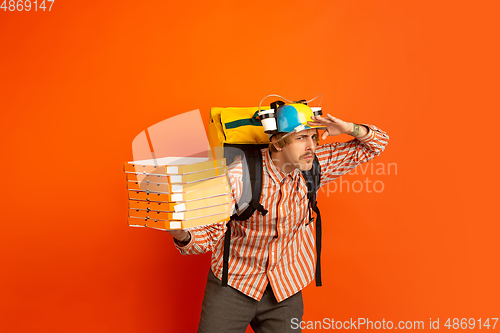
258,207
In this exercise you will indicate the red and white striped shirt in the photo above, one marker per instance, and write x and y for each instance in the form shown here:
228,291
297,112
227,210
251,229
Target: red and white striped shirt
278,248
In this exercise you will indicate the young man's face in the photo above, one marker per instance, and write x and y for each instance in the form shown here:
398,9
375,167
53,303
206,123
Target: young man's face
300,152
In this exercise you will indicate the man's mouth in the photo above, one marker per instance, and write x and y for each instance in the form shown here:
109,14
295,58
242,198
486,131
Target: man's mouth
308,157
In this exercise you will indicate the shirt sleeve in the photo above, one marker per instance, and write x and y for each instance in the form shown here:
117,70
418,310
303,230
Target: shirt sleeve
337,159
204,238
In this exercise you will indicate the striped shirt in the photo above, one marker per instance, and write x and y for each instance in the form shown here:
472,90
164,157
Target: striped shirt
278,248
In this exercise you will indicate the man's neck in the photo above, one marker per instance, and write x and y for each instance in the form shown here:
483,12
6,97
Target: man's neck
277,159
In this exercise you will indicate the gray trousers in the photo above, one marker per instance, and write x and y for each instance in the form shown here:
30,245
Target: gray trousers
227,310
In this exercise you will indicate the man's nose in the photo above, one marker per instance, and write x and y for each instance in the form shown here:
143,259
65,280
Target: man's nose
311,144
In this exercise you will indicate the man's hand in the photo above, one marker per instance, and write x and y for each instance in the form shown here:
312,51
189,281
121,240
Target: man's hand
182,236
336,126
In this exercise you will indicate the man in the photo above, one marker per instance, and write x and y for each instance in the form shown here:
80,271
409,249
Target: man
272,256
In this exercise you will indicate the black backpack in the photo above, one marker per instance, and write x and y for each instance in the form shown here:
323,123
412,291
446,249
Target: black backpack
252,190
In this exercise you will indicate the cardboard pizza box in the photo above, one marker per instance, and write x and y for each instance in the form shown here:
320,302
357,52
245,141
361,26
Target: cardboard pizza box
173,165
179,197
180,206
175,225
186,215
174,179
177,188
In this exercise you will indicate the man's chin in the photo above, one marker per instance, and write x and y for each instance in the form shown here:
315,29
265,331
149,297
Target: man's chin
306,165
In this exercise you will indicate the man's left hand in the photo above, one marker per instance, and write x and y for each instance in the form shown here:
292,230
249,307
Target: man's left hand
334,126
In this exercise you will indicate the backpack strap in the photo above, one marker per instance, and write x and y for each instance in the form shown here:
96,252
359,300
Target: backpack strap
316,171
225,258
252,184
318,246
313,180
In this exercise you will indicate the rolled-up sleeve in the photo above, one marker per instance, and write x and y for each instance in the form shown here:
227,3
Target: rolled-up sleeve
203,239
337,159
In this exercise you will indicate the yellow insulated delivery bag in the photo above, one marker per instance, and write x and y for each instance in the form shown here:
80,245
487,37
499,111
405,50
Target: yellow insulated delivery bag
235,126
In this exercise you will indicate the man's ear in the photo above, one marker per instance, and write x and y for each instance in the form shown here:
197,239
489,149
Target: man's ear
275,145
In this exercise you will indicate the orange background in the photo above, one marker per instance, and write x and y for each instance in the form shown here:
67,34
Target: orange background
77,84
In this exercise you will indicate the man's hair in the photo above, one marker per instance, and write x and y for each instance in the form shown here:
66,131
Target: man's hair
285,141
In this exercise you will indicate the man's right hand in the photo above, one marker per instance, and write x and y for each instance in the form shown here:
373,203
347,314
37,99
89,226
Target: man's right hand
182,236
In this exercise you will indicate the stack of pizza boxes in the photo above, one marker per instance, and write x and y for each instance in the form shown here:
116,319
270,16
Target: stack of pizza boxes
177,192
